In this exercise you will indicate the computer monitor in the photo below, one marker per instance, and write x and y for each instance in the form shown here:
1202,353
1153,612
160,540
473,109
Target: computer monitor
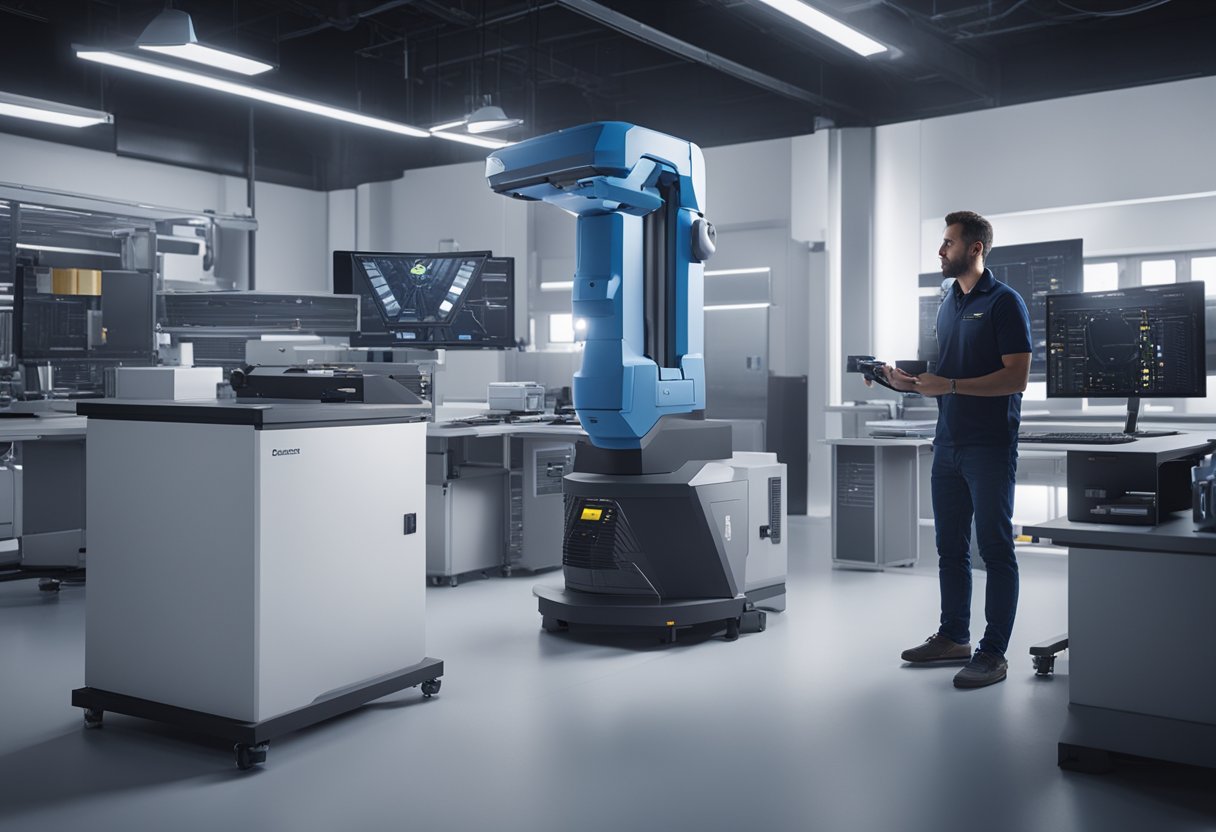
462,300
1035,270
1142,342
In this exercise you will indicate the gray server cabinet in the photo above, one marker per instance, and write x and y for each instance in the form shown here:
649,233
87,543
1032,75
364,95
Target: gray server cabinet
876,502
537,505
465,522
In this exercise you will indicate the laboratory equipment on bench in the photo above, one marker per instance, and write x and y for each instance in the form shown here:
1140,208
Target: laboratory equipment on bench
664,528
516,396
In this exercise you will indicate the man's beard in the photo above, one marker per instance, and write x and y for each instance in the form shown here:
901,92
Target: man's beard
954,268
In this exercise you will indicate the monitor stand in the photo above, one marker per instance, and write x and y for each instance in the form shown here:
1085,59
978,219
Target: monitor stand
1133,413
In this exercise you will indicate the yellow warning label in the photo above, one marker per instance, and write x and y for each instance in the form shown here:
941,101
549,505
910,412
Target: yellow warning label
591,514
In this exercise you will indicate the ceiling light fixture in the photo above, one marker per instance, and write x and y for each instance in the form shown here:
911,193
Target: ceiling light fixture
51,112
489,118
303,105
172,33
828,26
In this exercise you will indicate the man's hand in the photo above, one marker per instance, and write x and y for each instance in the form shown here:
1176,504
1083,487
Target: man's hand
900,380
928,384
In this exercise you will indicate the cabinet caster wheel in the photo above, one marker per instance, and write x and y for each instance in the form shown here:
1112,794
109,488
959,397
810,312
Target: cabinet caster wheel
433,580
732,629
92,717
669,637
248,756
430,688
48,585
553,625
1044,665
453,581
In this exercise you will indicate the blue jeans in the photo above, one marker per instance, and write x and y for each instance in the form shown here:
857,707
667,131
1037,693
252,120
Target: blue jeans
976,480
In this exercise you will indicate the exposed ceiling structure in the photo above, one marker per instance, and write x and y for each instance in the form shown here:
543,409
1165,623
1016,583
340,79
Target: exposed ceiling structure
713,71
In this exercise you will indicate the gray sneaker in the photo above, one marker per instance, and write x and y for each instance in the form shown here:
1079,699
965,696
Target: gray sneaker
937,648
984,669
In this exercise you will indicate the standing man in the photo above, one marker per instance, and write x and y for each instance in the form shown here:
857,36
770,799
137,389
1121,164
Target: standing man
983,335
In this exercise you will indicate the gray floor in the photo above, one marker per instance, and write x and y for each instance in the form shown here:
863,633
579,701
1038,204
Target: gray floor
814,724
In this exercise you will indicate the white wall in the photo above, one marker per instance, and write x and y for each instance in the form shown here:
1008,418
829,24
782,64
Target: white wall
1128,171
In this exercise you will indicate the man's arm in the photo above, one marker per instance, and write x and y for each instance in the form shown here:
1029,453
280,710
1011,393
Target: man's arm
1009,379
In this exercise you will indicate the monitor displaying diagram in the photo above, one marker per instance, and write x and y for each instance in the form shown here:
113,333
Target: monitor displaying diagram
458,299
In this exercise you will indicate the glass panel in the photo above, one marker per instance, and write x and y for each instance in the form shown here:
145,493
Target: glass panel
561,328
1204,268
1157,272
1100,277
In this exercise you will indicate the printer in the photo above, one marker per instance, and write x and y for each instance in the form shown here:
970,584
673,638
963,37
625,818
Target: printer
516,396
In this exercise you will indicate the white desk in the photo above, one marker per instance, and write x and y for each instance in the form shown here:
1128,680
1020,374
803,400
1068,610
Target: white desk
1141,622
494,496
42,495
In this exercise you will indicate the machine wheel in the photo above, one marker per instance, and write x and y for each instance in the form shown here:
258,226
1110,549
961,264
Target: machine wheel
1043,665
453,581
732,629
433,580
430,687
48,584
92,717
248,756
753,621
553,625
669,637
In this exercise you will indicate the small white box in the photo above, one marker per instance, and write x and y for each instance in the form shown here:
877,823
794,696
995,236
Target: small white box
167,383
516,396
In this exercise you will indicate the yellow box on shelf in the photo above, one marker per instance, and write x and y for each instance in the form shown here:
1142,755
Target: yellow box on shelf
76,282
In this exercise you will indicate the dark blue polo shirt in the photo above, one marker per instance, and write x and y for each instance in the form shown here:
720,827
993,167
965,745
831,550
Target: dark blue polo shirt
973,332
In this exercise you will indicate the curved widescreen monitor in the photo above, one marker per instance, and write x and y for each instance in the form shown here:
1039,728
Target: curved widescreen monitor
1142,342
461,299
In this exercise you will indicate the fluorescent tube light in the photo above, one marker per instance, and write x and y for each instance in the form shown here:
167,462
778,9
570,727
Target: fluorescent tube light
63,250
557,286
478,141
51,112
303,105
828,26
722,307
450,125
212,57
725,272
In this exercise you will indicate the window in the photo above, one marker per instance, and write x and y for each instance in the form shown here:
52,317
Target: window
1158,272
561,328
1204,268
1100,277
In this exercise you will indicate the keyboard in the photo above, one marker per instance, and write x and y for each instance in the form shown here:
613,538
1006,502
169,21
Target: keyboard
1075,438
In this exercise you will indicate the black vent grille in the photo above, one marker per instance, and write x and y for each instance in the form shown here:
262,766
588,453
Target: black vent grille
596,544
774,509
261,311
219,352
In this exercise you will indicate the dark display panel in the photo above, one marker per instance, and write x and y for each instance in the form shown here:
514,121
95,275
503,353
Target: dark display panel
1141,342
456,299
1035,270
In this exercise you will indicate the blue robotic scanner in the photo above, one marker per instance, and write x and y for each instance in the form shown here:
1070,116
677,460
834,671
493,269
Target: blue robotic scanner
664,526
642,238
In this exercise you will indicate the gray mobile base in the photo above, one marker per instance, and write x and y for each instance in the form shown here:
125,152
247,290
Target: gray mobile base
252,739
560,608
